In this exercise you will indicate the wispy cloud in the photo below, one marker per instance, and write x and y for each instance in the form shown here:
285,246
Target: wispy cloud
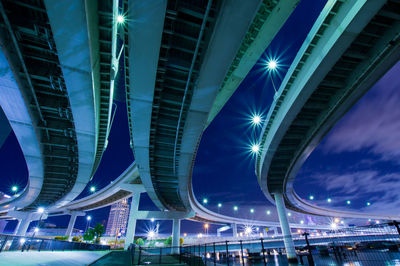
382,190
373,124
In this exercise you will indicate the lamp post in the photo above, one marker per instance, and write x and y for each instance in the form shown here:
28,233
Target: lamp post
88,219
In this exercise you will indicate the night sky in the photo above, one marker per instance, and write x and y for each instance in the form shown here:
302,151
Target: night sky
359,160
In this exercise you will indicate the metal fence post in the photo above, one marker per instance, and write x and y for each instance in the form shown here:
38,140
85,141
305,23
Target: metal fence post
227,252
180,253
263,251
40,246
215,255
140,255
310,257
241,250
159,259
205,254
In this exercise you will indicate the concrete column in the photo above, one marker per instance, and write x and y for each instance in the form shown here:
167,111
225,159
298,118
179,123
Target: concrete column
131,228
176,233
71,224
22,226
17,226
287,235
234,230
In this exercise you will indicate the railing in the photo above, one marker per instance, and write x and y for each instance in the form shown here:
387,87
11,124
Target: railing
368,245
26,243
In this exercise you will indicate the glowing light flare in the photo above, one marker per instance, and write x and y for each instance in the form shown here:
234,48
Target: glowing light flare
368,203
248,230
311,197
205,201
268,212
152,220
289,214
272,64
334,226
348,202
14,188
206,226
302,222
219,205
235,208
40,210
89,218
92,189
120,19
255,148
251,210
256,120
36,229
329,200
151,234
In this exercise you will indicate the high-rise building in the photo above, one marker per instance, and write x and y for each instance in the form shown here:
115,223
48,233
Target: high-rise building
118,218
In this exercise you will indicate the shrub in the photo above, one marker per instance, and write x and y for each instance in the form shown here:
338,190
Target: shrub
61,237
180,241
75,239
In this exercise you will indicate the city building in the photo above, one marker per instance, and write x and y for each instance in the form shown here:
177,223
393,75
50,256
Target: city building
118,218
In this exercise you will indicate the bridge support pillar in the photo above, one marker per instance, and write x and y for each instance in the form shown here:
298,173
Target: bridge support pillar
22,226
71,224
286,233
131,228
234,230
176,232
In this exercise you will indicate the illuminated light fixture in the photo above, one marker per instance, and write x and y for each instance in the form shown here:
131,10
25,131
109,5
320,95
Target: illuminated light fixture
248,230
342,222
348,202
272,64
92,189
235,208
219,205
206,226
268,212
40,210
252,210
89,218
150,234
152,220
377,222
36,230
311,197
120,19
14,188
184,234
302,222
256,120
368,203
255,148
337,220
299,231
334,226
289,214
22,240
205,201
329,200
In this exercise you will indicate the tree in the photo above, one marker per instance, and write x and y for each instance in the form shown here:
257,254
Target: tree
180,241
139,242
98,231
168,241
88,235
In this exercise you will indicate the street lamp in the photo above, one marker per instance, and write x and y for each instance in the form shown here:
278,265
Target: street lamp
92,189
268,212
251,210
329,200
368,203
120,19
256,120
235,208
311,197
272,64
205,201
14,189
206,229
88,219
348,202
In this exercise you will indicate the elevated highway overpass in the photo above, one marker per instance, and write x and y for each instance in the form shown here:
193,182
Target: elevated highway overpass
350,47
58,61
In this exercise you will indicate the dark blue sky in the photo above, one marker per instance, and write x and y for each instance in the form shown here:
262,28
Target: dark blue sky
362,148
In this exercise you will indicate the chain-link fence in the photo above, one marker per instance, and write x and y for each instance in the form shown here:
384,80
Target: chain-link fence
368,245
22,243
